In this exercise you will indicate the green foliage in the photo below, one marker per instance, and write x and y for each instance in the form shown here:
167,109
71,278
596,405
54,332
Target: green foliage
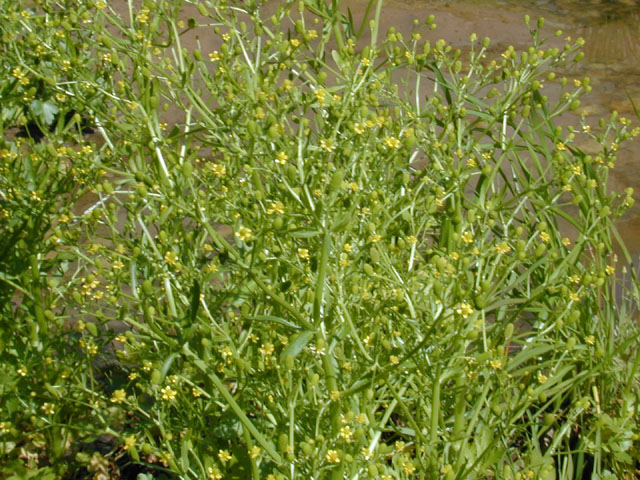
312,252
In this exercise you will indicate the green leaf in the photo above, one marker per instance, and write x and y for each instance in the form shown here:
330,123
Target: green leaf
272,318
295,347
45,111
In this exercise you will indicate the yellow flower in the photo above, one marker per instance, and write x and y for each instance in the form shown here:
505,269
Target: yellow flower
542,378
214,473
346,433
335,395
244,234
118,396
303,253
282,158
224,456
130,441
503,248
168,393
48,408
332,456
171,258
266,349
464,309
467,237
409,467
446,469
545,237
275,207
255,451
211,268
327,145
392,142
496,364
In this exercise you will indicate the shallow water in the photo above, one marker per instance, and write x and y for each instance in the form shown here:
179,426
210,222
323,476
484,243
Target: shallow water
612,58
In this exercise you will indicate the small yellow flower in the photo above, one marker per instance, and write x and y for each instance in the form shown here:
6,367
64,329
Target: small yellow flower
196,392
224,456
118,396
214,473
545,237
392,142
303,253
244,234
590,340
275,208
218,170
133,375
464,309
332,456
48,408
211,268
168,394
446,469
566,241
574,296
467,237
130,441
334,395
294,42
266,349
394,360
542,378
327,145
496,364
346,433
375,238
171,258
503,248
282,158
255,451
408,467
